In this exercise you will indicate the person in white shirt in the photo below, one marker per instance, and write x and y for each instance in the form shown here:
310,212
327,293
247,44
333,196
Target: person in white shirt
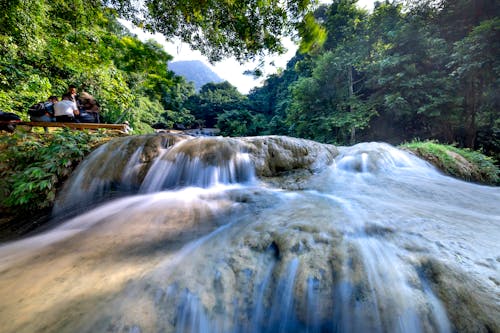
128,129
66,110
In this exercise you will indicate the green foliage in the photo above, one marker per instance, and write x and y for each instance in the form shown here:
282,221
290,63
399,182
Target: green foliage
213,100
313,35
183,117
241,123
243,29
327,105
429,69
144,113
46,46
461,163
408,72
476,66
33,166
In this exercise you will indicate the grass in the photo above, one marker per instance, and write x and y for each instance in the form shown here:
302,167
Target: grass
461,163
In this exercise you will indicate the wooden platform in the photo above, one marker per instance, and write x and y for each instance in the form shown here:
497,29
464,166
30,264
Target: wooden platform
120,127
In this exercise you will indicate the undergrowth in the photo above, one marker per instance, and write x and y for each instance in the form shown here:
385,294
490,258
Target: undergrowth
32,166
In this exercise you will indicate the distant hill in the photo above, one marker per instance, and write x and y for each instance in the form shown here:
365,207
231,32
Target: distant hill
194,71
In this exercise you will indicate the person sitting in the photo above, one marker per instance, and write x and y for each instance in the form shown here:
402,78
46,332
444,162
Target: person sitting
48,109
128,129
44,111
66,110
74,93
89,108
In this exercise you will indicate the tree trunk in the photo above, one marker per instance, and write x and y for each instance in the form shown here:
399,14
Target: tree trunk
471,105
351,94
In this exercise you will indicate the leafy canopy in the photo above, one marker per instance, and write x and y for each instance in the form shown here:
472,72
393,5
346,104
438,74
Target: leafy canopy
221,28
47,45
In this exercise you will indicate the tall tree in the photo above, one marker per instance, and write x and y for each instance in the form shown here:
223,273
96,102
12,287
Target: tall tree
324,107
477,67
408,74
274,97
336,82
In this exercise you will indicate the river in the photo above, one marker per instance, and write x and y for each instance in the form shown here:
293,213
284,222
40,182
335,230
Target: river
169,233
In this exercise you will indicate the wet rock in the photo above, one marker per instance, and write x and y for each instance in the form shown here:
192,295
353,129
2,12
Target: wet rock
353,252
122,166
468,304
274,155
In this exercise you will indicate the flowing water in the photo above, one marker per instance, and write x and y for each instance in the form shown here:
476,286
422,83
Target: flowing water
196,236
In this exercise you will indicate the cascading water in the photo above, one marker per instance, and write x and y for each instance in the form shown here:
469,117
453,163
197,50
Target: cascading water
266,234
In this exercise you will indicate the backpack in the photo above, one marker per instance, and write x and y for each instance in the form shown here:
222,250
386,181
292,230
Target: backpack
37,110
11,117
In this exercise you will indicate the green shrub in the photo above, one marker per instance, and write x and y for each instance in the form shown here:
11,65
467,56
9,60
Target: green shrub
32,166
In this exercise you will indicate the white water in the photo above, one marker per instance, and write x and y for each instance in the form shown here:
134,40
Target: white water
378,242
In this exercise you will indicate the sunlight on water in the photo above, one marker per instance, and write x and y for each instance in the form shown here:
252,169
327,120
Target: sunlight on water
379,241
186,171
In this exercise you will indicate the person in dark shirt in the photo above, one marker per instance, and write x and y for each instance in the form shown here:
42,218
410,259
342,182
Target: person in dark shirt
49,112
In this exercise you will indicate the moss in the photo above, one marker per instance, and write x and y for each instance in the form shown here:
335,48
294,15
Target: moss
461,163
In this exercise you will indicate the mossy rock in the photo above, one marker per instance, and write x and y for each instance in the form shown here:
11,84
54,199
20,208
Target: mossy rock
464,164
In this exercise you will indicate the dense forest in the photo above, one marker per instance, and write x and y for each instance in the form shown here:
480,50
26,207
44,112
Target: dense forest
425,70
412,70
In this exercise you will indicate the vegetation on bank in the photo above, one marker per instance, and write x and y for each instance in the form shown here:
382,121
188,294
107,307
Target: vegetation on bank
33,166
413,69
462,163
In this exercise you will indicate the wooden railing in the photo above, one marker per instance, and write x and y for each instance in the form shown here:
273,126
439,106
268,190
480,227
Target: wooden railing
120,127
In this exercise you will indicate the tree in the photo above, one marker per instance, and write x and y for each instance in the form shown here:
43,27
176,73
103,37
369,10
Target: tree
244,28
324,108
274,97
457,18
408,75
331,98
45,46
476,66
430,70
241,123
213,100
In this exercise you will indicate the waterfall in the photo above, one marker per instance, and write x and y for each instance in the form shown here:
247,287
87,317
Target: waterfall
264,234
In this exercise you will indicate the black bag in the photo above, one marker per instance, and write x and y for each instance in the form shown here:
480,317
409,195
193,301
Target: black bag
37,110
8,116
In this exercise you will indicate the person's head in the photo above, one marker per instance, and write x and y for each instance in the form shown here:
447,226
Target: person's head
67,96
72,90
53,99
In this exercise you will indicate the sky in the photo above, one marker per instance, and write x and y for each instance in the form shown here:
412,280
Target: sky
228,69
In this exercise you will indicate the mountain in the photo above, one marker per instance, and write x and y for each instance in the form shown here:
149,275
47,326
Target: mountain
194,71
